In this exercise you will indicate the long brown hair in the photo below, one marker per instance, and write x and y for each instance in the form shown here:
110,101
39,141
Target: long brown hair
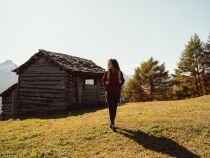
115,64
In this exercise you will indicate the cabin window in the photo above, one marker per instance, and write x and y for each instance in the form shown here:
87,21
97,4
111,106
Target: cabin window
90,82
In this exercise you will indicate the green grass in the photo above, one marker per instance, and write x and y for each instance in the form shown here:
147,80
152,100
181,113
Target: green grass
151,129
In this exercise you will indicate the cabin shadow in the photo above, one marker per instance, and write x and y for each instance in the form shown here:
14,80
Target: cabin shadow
158,144
59,114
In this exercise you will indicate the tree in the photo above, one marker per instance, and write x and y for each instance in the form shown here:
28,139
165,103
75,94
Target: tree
190,66
133,91
206,66
152,76
148,82
183,87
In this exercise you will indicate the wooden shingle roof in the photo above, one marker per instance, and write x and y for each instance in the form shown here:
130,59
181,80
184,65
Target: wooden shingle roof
67,62
8,90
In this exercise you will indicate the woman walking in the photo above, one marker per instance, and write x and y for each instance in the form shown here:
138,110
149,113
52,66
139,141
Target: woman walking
113,80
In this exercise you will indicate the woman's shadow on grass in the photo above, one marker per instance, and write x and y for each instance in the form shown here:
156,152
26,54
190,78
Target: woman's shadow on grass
159,144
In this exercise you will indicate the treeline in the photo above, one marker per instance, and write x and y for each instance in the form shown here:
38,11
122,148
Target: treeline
152,81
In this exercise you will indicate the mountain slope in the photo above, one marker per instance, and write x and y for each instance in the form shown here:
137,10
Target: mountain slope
149,129
7,78
7,65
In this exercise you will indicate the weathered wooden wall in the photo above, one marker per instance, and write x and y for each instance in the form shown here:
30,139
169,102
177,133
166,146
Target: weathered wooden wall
75,90
81,95
9,102
91,95
101,92
7,105
42,87
71,84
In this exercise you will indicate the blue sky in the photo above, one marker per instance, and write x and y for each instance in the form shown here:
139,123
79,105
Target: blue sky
129,30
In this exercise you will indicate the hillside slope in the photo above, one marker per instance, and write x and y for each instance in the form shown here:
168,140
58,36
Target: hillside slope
151,129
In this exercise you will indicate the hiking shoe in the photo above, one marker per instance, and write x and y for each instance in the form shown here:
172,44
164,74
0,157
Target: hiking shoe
113,127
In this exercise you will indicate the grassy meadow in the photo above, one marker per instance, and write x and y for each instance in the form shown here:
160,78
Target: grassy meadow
145,130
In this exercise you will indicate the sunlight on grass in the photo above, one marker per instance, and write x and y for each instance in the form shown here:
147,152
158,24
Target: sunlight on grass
150,129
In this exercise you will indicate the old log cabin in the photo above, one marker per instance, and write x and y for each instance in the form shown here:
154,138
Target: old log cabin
51,81
8,99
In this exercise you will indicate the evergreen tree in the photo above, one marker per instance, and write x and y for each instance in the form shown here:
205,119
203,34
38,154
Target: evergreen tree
152,76
190,66
184,86
206,66
133,90
148,81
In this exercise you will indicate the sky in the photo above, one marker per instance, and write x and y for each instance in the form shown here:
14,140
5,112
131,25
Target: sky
131,31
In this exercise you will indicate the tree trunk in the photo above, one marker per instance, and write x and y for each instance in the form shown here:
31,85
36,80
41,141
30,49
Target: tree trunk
200,84
196,84
151,90
205,82
197,73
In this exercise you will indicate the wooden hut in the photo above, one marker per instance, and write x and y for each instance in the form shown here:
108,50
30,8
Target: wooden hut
51,81
9,101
